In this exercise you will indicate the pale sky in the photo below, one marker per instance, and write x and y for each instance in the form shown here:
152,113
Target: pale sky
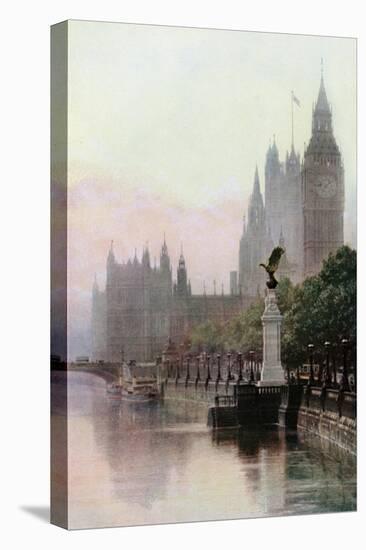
166,125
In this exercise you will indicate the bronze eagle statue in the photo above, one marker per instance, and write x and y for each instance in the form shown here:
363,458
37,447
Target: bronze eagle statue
272,266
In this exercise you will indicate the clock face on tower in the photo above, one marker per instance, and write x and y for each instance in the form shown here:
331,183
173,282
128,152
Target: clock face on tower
326,186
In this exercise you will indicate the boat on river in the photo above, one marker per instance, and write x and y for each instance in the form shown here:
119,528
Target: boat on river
137,382
114,389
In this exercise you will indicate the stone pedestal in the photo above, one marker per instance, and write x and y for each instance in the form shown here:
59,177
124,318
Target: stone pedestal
272,371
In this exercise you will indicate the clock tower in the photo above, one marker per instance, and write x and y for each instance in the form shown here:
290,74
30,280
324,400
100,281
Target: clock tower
322,182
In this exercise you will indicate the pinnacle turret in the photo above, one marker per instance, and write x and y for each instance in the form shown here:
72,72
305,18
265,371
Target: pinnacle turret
275,152
95,285
111,259
182,285
164,257
182,262
146,257
164,248
273,165
256,187
256,206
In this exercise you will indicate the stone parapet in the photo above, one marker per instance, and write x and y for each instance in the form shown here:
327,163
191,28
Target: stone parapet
330,414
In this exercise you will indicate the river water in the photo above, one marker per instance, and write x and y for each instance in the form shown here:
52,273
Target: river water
145,463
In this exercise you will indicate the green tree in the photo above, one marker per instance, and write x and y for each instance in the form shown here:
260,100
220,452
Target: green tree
244,332
207,336
324,308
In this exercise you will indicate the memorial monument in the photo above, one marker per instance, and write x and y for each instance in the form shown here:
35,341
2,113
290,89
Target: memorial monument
272,370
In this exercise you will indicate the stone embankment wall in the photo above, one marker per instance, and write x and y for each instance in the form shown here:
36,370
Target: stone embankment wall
330,414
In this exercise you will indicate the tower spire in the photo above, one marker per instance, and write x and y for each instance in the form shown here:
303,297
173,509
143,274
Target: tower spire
256,187
274,148
135,260
110,258
95,284
322,102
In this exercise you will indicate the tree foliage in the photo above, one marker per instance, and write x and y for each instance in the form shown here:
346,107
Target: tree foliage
321,309
207,336
324,307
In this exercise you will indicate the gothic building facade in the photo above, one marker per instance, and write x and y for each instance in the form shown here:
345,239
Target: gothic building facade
142,307
302,210
277,220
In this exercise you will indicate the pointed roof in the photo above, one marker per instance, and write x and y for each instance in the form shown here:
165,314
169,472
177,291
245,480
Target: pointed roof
322,103
164,248
256,186
322,140
135,260
111,254
146,256
292,158
272,156
256,198
95,284
274,147
181,257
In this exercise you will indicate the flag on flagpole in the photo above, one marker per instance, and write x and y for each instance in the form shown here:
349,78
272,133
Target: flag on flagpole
295,99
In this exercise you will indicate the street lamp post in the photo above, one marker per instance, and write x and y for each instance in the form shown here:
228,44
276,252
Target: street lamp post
345,382
188,373
218,378
229,366
198,377
334,365
311,360
240,358
328,376
298,374
208,359
251,354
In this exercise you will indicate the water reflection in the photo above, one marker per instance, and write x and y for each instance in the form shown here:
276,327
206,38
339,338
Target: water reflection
134,463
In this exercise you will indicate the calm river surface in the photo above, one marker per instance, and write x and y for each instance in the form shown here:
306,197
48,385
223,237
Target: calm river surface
133,464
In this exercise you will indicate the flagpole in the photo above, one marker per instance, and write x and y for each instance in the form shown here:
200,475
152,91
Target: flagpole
292,118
